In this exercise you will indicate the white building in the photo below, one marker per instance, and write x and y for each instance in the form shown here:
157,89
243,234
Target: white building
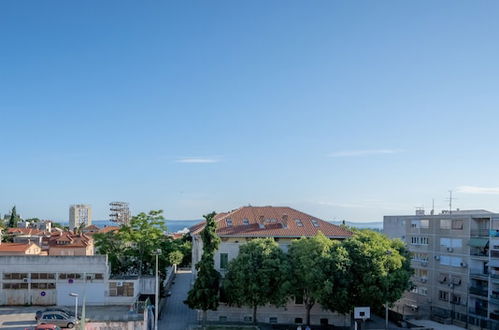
35,280
78,214
284,224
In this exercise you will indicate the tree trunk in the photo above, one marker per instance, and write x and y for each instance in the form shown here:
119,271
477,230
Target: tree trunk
254,314
309,307
205,316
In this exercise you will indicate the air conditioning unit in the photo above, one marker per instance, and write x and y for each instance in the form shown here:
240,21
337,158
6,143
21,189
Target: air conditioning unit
463,264
25,280
437,257
120,283
450,249
423,280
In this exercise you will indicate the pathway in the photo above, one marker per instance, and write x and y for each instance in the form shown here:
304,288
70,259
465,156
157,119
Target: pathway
176,315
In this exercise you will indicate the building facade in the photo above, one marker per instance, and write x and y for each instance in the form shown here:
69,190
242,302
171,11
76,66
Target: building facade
455,256
35,280
78,214
284,225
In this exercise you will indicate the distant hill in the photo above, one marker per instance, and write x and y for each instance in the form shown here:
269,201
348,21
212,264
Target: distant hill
378,225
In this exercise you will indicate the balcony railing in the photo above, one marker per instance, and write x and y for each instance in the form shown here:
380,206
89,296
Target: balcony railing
478,253
479,291
480,232
479,273
479,312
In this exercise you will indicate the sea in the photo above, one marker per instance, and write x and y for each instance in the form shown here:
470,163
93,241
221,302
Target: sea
174,226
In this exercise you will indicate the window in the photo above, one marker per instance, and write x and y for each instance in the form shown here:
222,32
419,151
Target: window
456,280
416,240
248,319
442,278
222,318
415,224
42,276
425,224
15,286
14,276
272,320
299,223
228,221
324,322
299,300
457,224
455,299
451,261
298,320
224,260
43,286
64,276
245,221
315,223
99,277
121,289
451,242
445,224
443,295
423,291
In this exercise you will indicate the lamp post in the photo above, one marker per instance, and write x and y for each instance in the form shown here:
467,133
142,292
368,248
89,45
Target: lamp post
388,253
72,294
156,299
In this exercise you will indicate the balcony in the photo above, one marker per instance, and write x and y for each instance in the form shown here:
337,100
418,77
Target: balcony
480,232
494,315
479,291
478,311
479,274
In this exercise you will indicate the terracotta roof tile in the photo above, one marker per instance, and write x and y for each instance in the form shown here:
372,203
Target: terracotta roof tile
15,247
271,221
108,229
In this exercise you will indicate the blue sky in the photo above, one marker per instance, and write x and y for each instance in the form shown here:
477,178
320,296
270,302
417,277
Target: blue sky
343,109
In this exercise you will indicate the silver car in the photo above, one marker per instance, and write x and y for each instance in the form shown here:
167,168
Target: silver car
58,318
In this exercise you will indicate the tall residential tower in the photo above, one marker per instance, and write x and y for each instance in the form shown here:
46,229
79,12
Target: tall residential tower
78,214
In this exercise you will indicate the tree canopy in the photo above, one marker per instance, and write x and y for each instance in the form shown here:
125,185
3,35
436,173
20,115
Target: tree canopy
317,266
257,276
132,248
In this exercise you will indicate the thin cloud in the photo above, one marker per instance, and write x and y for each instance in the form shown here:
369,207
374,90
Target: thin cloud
478,190
197,160
360,153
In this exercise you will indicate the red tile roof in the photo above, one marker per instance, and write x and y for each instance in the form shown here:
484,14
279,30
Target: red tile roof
15,247
25,231
108,229
271,221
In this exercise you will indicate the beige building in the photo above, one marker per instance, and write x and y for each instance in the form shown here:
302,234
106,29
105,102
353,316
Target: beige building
455,256
78,214
283,224
14,249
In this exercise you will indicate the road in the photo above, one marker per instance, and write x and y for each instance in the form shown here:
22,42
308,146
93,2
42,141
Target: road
175,314
17,318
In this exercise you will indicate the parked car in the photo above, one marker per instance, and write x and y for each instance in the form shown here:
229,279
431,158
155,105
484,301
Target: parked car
47,327
57,318
54,309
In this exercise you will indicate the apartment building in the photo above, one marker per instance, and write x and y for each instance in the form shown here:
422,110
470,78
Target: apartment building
455,256
283,224
78,214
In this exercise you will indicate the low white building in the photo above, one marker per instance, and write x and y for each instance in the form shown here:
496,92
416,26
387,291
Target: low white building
283,224
49,280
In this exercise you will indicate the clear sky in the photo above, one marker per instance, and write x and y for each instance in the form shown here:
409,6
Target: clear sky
342,109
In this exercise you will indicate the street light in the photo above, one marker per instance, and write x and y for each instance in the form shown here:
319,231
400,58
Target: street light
156,300
72,294
388,253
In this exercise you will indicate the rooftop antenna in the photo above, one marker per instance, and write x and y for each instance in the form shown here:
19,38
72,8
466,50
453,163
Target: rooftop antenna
450,201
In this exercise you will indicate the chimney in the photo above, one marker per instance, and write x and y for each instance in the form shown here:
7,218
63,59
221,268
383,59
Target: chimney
285,221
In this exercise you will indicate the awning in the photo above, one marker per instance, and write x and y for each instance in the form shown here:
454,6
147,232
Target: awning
479,242
493,263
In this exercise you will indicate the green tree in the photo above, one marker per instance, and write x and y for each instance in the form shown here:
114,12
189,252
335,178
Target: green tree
379,272
132,248
315,269
257,276
13,218
204,295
